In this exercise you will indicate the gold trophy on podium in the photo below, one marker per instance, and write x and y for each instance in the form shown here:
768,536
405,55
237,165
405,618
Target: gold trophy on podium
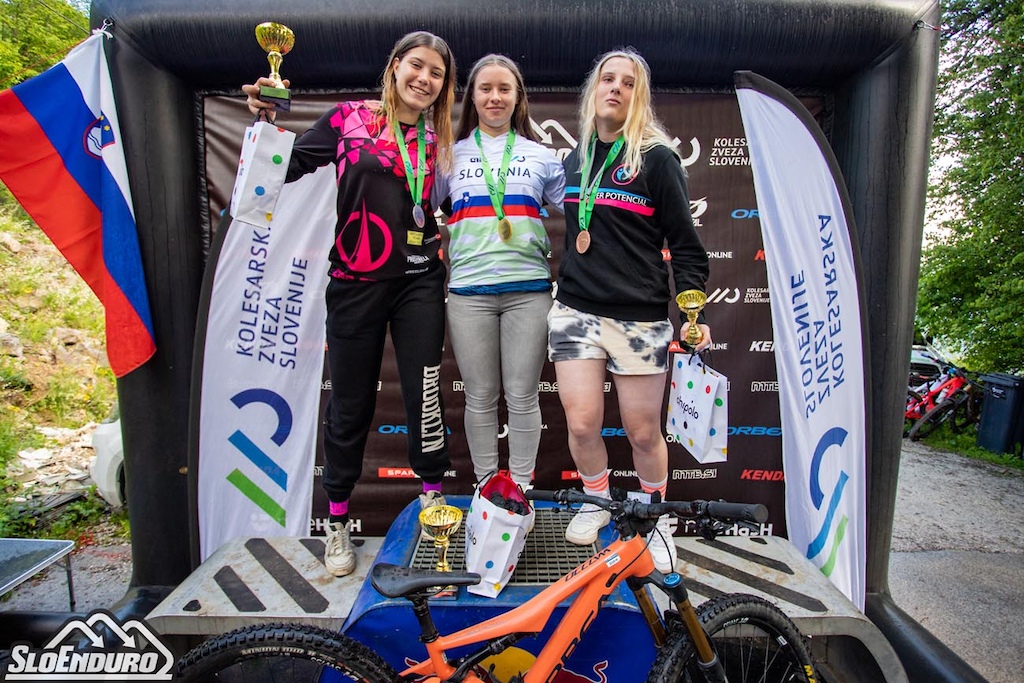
277,40
441,522
692,302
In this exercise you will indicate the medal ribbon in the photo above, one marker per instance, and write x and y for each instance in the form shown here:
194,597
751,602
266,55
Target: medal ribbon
414,178
589,195
496,191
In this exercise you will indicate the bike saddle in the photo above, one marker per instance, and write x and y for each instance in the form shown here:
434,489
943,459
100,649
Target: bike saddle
393,581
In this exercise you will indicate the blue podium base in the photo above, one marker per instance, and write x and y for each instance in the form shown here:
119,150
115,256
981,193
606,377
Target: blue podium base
617,647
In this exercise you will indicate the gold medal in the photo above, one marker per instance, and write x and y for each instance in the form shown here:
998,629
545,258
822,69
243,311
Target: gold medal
505,229
583,241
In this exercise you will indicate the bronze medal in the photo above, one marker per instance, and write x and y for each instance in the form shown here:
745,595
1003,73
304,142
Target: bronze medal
505,229
583,241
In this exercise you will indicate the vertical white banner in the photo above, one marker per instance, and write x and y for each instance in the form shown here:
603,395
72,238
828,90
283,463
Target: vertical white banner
262,366
816,321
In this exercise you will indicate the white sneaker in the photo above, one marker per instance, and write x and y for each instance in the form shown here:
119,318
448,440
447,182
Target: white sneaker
430,499
339,555
583,528
662,545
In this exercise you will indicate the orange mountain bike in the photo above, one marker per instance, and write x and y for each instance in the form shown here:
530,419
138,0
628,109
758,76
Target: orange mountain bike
733,638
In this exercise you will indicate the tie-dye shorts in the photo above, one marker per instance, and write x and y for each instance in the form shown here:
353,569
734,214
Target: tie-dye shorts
630,347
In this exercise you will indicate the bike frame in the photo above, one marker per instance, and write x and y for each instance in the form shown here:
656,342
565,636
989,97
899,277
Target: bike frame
945,386
595,580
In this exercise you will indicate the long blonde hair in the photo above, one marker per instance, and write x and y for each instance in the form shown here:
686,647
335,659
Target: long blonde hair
441,109
642,129
470,119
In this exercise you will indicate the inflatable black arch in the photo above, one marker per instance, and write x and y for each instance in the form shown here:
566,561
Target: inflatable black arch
876,62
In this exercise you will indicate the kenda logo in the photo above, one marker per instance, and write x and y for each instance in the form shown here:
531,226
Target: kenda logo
741,214
260,459
754,431
766,346
833,530
116,651
763,475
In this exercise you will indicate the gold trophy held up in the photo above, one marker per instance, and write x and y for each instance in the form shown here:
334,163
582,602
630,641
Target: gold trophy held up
277,40
691,302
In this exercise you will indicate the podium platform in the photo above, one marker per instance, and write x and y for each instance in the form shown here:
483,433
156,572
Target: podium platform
617,647
259,580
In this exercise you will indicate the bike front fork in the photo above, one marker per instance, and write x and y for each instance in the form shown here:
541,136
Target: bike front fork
672,585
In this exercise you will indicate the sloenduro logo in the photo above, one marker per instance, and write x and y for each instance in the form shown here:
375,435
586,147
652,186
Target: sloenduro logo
133,653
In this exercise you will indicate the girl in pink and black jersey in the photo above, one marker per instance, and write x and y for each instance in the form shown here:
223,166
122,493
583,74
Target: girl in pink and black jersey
385,268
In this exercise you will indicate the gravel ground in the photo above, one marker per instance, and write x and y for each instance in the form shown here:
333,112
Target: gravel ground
957,562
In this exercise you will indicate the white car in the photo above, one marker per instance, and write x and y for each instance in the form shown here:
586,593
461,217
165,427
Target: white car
107,466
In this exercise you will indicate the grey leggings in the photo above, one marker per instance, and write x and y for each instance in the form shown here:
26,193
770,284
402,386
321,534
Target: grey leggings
500,340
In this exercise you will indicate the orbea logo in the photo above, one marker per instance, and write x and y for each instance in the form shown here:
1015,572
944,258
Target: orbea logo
132,653
258,457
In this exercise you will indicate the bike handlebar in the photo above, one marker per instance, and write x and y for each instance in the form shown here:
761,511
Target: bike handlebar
700,509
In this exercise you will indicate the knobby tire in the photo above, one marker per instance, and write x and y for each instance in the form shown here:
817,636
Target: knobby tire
754,639
931,420
268,653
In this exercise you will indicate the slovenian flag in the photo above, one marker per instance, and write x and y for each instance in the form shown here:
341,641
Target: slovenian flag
61,156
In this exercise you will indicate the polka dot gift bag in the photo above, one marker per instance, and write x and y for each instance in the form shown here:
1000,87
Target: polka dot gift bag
698,409
498,520
262,165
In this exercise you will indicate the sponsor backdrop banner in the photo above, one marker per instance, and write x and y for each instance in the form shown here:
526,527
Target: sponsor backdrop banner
264,341
816,316
714,151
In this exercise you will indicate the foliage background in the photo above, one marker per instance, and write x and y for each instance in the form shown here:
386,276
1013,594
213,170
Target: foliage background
36,34
53,369
971,292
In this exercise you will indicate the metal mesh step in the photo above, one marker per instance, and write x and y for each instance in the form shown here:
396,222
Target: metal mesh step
546,557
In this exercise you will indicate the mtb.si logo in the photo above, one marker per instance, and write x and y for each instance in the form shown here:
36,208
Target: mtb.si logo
96,648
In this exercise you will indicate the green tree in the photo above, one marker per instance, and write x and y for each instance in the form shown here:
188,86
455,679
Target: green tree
971,293
35,35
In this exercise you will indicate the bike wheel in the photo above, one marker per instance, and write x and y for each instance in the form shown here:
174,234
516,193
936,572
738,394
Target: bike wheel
931,420
269,653
967,413
754,639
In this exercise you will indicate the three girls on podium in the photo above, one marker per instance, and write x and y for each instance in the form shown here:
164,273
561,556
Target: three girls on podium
397,161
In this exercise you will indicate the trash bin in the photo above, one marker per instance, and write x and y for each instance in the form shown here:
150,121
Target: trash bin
1001,412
